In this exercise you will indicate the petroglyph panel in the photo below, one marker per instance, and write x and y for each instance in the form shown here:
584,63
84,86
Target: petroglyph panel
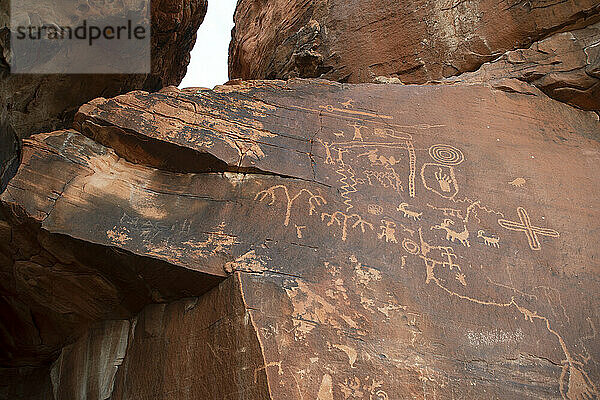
381,250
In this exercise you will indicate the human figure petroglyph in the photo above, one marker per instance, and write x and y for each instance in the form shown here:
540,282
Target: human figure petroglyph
488,240
342,220
448,253
531,231
451,235
574,383
327,146
409,213
299,230
314,200
388,231
357,131
340,155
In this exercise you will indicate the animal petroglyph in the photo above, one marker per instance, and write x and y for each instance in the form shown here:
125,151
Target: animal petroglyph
451,235
348,104
488,240
574,383
342,220
518,182
314,200
409,213
531,231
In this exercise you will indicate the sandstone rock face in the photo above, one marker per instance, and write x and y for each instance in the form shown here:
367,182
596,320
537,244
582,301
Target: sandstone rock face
357,41
64,267
38,103
374,241
566,66
9,155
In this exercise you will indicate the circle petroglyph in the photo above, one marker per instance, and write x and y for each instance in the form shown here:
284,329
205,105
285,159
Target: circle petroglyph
410,246
446,154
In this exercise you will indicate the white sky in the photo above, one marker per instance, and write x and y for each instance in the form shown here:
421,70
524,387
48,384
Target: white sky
208,65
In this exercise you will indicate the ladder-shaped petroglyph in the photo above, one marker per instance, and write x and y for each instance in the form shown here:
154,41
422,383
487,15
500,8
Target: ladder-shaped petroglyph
313,200
386,151
383,167
342,219
531,231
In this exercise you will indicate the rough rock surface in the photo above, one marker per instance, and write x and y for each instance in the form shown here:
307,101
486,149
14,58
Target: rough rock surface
565,66
384,242
65,267
356,41
40,103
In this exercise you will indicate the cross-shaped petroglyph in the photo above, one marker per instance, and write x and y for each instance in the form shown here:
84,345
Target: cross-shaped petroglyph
531,231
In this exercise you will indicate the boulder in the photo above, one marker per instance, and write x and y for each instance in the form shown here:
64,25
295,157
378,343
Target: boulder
419,41
374,241
41,103
565,66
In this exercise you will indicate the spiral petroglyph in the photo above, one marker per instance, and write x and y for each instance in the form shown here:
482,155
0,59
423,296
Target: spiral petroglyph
446,154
